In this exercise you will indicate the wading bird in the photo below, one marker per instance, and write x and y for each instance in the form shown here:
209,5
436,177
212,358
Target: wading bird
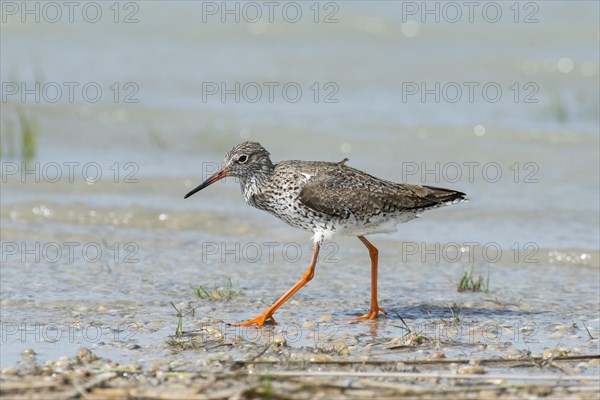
327,199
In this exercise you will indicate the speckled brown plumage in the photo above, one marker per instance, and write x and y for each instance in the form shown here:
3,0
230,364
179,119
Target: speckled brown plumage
327,199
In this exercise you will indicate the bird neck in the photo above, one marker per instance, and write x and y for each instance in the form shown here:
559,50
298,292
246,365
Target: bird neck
253,184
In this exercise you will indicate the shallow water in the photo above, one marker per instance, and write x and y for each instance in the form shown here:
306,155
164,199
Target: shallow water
112,254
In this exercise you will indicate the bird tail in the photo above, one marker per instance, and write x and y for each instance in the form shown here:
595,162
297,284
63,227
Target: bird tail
445,196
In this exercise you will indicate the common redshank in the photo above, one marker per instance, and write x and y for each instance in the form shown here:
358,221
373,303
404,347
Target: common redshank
327,199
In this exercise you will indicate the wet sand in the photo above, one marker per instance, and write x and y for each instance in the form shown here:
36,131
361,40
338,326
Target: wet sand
533,333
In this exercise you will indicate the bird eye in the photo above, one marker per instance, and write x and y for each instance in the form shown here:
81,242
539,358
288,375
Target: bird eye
242,159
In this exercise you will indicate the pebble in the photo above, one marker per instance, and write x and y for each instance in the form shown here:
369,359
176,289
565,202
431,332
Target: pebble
553,353
595,362
153,368
279,340
309,325
324,318
10,371
214,332
28,353
513,352
85,355
471,369
439,354
63,363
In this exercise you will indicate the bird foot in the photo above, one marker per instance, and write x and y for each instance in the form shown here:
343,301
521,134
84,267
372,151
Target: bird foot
371,314
258,321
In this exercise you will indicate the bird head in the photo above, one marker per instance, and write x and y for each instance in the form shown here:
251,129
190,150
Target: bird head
244,161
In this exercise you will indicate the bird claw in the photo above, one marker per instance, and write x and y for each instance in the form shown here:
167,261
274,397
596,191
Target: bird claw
258,321
371,315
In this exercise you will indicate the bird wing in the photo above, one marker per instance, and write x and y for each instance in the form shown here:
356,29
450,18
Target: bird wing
348,190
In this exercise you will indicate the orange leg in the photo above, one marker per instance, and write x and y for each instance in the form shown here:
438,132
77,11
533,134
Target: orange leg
374,253
306,277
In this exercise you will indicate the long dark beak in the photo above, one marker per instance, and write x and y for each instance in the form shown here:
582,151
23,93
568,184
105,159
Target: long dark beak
222,173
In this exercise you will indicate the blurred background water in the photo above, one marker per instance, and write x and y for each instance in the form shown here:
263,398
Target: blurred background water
524,143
